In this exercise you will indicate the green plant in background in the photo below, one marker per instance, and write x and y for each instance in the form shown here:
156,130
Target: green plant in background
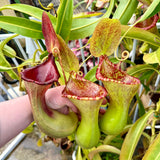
110,131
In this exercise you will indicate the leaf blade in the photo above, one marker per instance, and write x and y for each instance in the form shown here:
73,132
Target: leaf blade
153,150
140,34
103,148
21,26
30,10
64,20
125,10
82,27
151,11
5,66
134,70
132,138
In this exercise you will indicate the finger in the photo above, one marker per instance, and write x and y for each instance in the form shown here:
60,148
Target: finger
55,100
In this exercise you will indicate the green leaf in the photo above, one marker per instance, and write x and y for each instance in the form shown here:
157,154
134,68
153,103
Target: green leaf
69,61
141,107
5,66
109,9
82,27
79,154
91,75
21,26
103,148
125,10
87,14
136,70
151,10
145,76
105,37
153,150
43,55
30,10
140,34
4,69
64,19
153,57
8,51
133,137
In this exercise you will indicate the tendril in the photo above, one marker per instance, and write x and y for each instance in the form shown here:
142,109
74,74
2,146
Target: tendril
80,73
125,55
49,7
85,61
80,47
34,55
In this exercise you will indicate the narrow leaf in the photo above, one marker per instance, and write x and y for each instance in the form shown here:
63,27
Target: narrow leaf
82,27
5,66
141,106
64,19
21,26
79,154
140,34
133,136
30,10
4,69
136,70
151,10
87,14
105,37
103,148
8,51
125,10
109,9
153,151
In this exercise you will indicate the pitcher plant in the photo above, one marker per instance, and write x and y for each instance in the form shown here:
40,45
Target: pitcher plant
93,132
88,97
37,81
121,88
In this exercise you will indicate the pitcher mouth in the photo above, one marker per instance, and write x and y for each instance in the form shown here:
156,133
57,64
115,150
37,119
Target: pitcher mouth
107,71
44,73
79,88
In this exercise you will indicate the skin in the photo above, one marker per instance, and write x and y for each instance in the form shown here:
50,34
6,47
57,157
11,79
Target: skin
16,114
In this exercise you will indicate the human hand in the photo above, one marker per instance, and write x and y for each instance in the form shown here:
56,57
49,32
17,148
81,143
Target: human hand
55,100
